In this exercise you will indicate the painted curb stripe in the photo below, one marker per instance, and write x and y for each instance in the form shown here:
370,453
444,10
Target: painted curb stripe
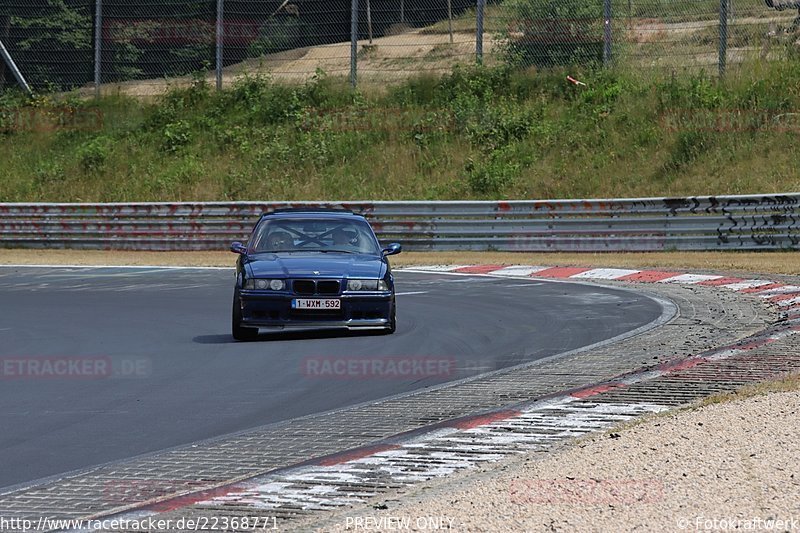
786,289
190,499
484,420
354,455
770,285
721,281
689,278
649,276
605,273
669,368
518,270
781,297
560,272
790,303
747,284
478,269
593,391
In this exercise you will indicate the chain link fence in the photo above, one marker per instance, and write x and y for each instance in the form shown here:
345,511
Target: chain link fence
144,47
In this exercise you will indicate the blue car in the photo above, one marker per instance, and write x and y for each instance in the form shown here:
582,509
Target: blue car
313,268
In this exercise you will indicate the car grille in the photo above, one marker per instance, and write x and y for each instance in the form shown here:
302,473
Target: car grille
304,286
328,287
308,287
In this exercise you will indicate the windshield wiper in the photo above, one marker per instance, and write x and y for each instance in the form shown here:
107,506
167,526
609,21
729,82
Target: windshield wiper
336,251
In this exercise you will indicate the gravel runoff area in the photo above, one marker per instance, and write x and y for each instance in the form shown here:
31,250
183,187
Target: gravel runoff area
723,466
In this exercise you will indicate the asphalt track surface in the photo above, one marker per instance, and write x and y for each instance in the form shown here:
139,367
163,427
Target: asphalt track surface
154,366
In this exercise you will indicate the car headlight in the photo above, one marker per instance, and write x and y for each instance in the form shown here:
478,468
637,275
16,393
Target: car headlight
264,284
367,285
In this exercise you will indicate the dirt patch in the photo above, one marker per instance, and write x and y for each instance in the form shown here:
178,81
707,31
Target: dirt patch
386,59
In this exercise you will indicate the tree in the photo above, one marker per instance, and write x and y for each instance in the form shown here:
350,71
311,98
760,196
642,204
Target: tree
52,41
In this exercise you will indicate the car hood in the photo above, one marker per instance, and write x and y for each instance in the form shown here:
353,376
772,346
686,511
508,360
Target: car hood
324,265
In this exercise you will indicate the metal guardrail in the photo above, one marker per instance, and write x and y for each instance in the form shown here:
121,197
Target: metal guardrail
759,222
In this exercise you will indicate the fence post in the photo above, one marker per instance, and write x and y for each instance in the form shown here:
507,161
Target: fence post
220,38
450,19
479,31
723,36
98,47
369,22
606,32
13,67
354,43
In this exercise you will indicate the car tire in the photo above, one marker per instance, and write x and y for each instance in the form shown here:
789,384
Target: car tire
240,333
392,321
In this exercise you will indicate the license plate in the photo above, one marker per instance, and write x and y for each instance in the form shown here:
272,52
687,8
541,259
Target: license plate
316,304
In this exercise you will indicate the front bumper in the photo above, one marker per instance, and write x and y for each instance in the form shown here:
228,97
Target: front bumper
358,311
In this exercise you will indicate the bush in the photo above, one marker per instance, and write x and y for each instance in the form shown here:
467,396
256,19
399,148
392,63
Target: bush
492,176
176,135
93,154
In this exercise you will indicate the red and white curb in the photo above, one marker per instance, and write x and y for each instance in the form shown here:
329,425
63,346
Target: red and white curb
785,296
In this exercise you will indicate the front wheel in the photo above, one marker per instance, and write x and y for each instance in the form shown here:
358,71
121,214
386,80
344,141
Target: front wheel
392,321
240,333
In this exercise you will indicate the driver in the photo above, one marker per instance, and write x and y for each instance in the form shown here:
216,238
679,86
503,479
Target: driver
344,238
279,240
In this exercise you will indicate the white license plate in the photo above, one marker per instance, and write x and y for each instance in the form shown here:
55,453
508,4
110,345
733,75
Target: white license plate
316,304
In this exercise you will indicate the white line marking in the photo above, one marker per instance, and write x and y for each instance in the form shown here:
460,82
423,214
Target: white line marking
410,293
435,268
158,267
531,284
93,275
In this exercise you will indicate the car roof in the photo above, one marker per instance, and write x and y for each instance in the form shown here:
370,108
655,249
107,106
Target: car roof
311,212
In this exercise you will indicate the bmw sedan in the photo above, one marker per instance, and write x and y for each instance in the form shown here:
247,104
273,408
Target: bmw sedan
312,268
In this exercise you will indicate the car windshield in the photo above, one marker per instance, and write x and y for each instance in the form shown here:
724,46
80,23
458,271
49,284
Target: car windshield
333,235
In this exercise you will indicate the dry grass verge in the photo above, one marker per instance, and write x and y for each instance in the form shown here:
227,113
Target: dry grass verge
754,262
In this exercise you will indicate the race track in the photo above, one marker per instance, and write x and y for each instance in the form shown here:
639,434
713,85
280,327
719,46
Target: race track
149,362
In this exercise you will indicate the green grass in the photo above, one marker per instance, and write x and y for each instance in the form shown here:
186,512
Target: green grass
477,133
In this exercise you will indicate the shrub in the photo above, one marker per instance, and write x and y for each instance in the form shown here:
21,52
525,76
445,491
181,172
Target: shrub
176,135
93,154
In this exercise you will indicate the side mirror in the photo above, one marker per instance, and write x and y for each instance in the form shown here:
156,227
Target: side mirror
238,248
392,249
